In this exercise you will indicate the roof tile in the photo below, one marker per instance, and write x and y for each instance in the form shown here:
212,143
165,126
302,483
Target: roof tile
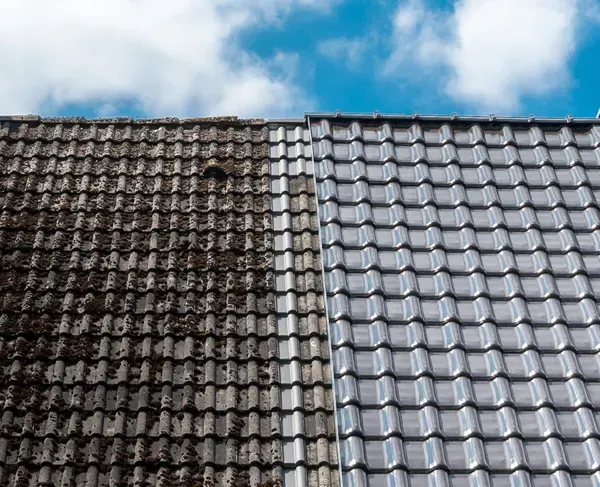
137,297
300,308
460,276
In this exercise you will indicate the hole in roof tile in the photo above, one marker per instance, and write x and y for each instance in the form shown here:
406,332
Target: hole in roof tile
215,171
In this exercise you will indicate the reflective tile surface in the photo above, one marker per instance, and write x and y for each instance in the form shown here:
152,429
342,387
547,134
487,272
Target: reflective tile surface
305,359
462,279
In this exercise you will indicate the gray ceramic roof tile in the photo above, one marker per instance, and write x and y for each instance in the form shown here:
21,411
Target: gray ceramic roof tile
312,458
461,273
138,334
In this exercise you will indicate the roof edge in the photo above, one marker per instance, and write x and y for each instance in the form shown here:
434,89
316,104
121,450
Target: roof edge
492,118
19,118
337,115
234,120
286,121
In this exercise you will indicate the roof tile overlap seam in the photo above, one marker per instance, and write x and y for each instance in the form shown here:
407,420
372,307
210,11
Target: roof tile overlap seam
463,312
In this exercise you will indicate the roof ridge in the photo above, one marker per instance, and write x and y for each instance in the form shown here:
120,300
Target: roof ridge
454,117
230,120
19,118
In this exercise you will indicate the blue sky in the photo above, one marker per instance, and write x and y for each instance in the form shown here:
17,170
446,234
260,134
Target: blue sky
280,58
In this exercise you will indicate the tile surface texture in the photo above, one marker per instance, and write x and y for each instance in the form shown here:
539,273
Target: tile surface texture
462,276
138,328
302,326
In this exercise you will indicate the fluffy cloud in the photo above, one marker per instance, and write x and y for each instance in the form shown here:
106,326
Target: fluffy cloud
490,54
351,51
176,58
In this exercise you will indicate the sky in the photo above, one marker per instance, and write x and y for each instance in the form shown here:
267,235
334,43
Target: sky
282,58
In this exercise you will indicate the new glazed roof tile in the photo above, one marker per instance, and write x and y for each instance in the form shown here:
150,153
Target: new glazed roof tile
300,306
461,264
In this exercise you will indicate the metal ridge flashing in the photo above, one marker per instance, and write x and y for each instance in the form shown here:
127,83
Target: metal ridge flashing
277,122
492,118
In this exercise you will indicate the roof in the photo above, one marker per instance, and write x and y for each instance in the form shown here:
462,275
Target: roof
219,301
462,274
139,331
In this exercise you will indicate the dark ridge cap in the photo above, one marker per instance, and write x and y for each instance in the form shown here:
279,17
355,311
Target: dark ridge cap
228,120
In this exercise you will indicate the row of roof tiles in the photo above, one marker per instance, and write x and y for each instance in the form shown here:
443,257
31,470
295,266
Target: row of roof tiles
441,133
455,174
470,311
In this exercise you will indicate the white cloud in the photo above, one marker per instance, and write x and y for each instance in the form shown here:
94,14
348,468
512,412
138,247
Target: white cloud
172,58
349,50
490,54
